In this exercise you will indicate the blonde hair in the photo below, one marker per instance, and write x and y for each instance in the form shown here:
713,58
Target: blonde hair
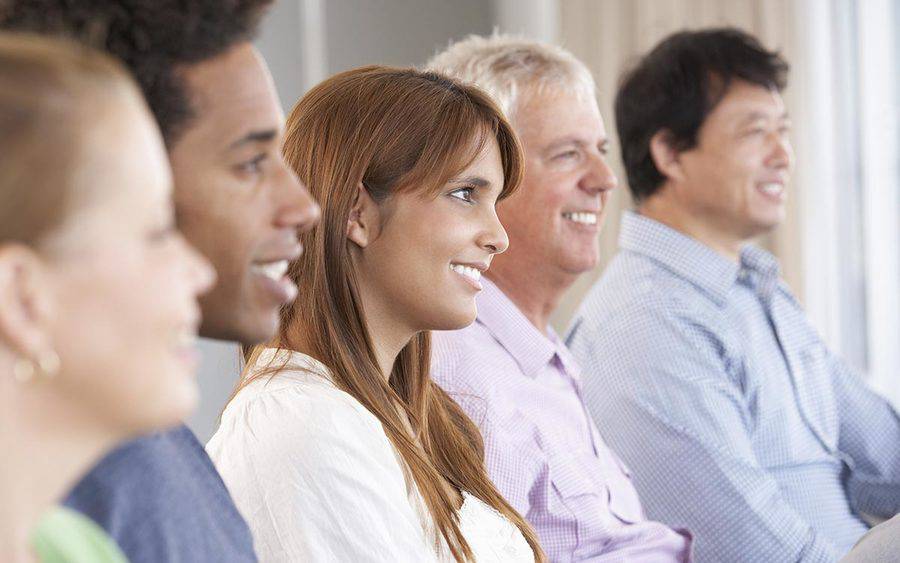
51,91
510,67
395,131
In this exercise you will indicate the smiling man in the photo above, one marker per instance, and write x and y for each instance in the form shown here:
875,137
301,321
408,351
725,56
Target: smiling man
235,200
700,366
509,371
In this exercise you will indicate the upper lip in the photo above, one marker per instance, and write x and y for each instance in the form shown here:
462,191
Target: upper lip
480,266
595,211
287,254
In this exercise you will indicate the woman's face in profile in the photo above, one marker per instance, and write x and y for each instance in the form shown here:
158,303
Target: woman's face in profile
124,283
428,258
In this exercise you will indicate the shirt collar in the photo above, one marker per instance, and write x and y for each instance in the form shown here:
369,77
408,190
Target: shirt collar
506,323
691,259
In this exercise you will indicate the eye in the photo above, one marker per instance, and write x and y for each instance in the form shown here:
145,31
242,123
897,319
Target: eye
567,155
252,166
464,194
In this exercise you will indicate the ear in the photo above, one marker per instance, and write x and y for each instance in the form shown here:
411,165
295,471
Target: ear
365,218
665,156
25,301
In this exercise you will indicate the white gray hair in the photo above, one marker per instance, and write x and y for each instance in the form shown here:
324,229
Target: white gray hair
508,66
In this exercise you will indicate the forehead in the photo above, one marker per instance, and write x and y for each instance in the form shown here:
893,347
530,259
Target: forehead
744,100
551,114
231,94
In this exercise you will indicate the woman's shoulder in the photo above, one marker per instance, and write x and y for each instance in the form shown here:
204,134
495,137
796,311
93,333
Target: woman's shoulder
293,385
294,411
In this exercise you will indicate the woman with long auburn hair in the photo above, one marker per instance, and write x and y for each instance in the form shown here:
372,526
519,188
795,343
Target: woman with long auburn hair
337,445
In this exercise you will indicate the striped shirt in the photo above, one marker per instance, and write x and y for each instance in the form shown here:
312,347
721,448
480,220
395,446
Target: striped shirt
542,449
707,378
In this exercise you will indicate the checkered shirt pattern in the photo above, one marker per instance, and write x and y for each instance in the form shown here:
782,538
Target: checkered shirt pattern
738,422
542,450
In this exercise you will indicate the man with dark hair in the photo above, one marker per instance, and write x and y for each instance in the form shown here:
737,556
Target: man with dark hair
700,366
235,200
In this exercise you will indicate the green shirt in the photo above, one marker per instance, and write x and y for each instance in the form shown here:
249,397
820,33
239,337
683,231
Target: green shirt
65,536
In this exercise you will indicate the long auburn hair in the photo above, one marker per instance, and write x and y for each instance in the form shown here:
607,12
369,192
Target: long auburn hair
393,130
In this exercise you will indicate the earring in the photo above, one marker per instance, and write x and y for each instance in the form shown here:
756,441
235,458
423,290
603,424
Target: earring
48,363
46,367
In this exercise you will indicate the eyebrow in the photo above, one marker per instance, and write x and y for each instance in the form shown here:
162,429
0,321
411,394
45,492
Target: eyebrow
574,141
756,115
476,181
254,137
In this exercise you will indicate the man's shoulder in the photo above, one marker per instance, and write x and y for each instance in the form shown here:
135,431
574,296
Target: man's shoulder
161,498
635,291
460,357
157,466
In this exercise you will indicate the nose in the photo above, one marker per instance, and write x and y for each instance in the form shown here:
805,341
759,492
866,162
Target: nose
199,270
493,237
599,176
782,155
297,208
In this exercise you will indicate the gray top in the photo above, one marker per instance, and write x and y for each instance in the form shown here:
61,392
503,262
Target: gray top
880,545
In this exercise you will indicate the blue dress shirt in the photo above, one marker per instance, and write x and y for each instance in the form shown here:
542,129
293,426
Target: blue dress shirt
737,421
162,500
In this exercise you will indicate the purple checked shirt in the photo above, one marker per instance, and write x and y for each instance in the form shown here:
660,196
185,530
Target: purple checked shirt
542,449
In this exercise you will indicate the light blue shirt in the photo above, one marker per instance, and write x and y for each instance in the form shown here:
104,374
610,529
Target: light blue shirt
735,418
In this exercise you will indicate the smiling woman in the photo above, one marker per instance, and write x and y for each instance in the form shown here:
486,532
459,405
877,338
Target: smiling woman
86,241
338,446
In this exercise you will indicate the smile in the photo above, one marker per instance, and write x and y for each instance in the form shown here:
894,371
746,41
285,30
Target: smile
272,270
467,272
581,217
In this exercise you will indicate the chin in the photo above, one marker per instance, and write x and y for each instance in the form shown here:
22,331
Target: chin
455,318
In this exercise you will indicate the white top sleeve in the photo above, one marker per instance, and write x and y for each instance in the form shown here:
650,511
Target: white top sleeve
315,476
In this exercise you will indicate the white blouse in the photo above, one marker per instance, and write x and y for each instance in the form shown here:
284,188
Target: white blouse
315,476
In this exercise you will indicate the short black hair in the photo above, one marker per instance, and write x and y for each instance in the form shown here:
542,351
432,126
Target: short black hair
153,38
675,87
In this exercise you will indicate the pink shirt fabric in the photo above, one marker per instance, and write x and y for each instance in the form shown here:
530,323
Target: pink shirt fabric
542,449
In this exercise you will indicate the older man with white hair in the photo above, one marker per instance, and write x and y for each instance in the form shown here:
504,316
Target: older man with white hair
509,371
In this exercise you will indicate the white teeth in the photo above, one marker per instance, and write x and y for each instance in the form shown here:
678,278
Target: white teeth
772,188
585,218
467,271
274,270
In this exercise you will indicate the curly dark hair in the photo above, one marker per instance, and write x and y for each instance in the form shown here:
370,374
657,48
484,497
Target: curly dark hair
675,87
154,38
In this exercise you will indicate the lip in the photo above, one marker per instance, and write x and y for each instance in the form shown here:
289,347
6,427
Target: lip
480,266
585,227
777,197
289,254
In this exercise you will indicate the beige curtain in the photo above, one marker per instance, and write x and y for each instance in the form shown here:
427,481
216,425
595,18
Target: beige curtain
608,35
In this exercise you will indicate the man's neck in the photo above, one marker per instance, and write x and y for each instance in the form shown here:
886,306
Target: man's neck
677,218
532,291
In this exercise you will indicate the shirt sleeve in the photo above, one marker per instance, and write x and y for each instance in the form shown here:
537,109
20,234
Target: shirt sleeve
662,393
317,480
870,436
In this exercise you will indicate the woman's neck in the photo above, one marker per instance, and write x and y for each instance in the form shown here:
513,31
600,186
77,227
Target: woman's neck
46,449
